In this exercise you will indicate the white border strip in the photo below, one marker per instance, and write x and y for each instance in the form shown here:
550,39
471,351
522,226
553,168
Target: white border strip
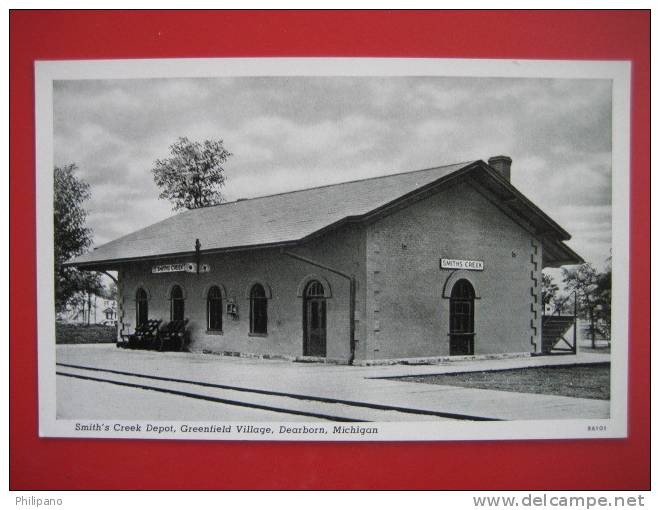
217,67
617,71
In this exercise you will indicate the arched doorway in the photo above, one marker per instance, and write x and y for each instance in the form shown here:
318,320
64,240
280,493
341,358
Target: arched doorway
461,319
314,322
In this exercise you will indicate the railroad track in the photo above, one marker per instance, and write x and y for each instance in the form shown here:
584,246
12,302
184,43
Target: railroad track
322,408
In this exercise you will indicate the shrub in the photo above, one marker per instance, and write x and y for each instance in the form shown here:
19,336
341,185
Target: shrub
84,334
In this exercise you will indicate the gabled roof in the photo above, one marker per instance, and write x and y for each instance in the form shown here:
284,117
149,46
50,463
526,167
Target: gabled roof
292,217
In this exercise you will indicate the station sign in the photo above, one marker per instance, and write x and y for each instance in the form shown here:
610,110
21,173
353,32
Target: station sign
468,265
184,267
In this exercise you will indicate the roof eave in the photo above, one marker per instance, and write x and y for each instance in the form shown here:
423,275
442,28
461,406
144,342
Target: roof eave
517,197
112,264
565,256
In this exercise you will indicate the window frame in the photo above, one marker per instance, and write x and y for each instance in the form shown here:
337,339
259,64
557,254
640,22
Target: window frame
218,302
262,301
181,299
139,293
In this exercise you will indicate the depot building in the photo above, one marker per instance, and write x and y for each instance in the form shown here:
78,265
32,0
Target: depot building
438,262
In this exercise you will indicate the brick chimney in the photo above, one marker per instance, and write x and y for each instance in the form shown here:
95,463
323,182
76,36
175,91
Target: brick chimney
502,164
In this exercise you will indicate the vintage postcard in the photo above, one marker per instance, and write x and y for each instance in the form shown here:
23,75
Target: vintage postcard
333,249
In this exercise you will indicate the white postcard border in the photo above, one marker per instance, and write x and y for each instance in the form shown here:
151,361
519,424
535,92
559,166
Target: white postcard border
618,71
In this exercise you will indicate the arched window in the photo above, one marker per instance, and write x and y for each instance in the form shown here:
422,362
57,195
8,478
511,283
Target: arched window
314,289
214,309
177,308
461,319
258,310
141,307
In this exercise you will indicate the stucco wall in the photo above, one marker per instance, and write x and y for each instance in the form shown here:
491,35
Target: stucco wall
402,306
407,314
235,272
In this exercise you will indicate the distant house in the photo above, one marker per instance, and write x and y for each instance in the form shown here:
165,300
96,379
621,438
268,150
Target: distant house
110,311
96,309
437,262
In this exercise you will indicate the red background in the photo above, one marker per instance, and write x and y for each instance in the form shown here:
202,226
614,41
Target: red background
118,464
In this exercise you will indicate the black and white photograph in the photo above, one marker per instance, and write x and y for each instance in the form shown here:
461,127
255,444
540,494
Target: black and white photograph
332,249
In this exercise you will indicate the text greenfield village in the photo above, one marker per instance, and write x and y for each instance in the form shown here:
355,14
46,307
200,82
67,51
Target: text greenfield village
222,429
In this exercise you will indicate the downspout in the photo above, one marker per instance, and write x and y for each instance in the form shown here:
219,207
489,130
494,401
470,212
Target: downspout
352,290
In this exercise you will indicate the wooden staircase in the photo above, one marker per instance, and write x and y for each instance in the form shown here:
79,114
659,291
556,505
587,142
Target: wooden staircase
554,329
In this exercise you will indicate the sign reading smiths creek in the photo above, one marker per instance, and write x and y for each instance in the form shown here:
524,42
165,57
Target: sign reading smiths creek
470,265
188,267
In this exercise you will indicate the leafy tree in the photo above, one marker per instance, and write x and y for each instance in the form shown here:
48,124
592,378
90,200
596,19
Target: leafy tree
604,300
193,175
593,292
110,292
71,235
549,289
88,284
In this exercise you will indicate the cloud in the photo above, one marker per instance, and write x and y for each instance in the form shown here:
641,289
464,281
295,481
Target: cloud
438,97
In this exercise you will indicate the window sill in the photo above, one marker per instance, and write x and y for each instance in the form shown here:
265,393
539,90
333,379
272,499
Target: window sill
258,335
214,332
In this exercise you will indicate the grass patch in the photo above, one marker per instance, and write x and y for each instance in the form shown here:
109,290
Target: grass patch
84,334
580,381
601,348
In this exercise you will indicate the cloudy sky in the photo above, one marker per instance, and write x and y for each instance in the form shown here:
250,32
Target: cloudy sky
293,133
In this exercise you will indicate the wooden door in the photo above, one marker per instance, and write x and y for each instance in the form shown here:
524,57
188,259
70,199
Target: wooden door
314,320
